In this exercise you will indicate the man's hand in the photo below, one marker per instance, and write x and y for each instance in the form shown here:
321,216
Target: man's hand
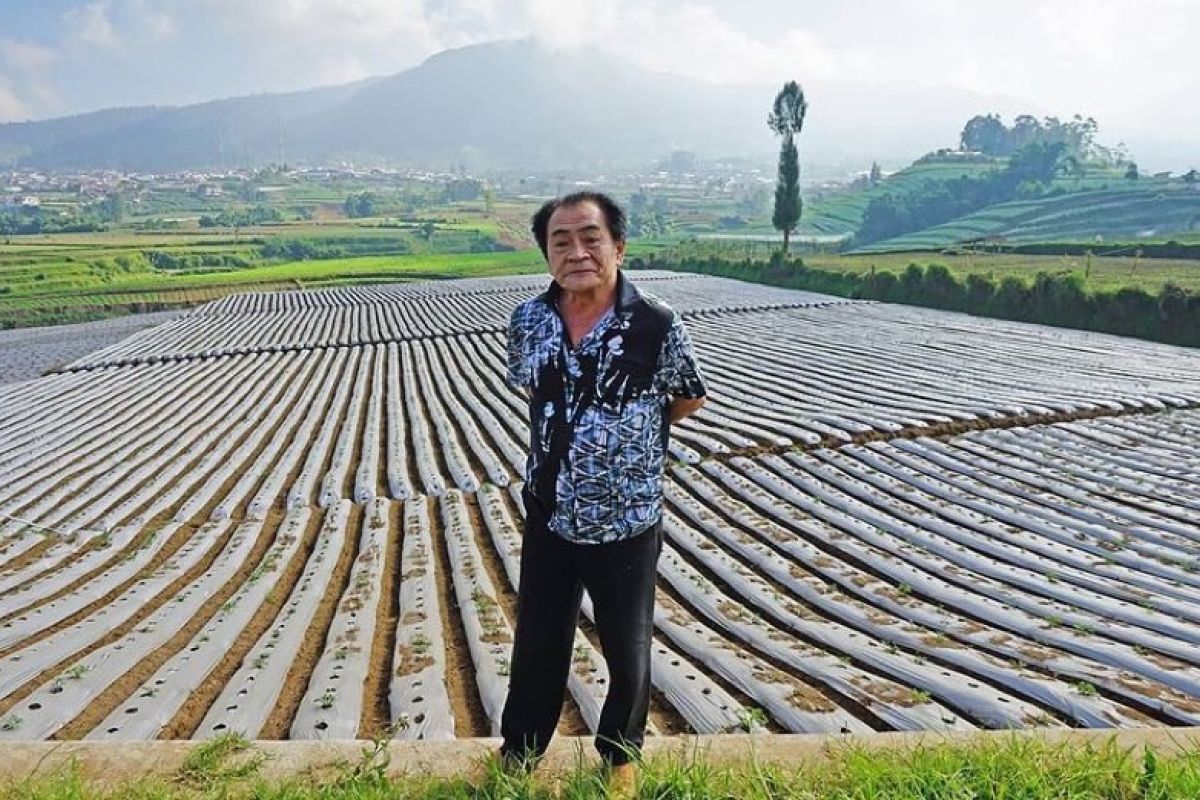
683,406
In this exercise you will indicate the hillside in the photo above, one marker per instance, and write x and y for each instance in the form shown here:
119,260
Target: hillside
1123,212
493,104
842,212
1086,204
244,130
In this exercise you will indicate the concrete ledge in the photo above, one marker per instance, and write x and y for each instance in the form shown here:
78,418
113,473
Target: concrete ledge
118,761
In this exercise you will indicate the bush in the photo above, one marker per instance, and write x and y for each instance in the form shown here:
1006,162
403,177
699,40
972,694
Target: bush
1058,299
234,218
978,291
941,289
204,262
300,250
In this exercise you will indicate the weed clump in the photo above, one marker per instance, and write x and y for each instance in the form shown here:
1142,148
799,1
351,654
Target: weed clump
229,767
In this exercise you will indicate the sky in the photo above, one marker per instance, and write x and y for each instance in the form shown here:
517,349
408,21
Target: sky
1134,66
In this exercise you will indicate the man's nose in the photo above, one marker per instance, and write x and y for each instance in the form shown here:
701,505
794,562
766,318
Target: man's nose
577,250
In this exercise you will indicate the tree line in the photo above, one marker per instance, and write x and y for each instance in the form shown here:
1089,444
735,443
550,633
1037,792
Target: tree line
987,134
27,221
242,217
1172,315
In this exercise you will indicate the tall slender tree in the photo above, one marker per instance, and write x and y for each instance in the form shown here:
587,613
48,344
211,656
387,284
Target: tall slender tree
787,191
786,120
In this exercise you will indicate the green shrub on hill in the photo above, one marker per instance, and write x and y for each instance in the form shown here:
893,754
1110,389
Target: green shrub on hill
182,262
1059,299
242,218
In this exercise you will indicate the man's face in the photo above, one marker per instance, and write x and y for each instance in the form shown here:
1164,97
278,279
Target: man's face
582,254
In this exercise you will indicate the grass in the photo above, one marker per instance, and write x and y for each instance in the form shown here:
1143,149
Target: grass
996,769
417,267
70,297
60,278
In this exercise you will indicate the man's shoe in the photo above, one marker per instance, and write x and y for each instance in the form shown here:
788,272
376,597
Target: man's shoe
622,780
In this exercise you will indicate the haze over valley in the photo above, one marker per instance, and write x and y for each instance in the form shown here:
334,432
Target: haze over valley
213,83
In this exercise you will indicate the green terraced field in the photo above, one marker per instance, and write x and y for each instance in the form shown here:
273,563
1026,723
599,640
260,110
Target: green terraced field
1128,213
75,277
78,277
842,213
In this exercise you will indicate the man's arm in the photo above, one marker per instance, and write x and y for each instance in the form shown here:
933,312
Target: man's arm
517,371
681,407
685,385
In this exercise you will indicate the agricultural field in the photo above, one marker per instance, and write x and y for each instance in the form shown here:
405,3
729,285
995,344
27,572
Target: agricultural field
29,352
842,212
78,277
152,263
1123,214
297,515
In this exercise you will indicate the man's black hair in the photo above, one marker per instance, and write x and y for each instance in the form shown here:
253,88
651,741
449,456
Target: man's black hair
614,217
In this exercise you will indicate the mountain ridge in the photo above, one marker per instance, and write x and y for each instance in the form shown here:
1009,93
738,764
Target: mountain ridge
511,103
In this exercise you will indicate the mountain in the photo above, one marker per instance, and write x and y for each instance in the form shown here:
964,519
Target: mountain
498,104
243,131
523,103
501,104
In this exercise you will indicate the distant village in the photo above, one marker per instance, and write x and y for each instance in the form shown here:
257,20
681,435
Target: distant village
678,175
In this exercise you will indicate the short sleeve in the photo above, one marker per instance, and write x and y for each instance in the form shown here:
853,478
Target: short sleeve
679,363
517,372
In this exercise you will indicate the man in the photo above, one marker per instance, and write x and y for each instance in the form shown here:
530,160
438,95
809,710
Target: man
606,370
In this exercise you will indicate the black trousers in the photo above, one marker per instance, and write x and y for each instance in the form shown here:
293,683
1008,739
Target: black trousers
619,578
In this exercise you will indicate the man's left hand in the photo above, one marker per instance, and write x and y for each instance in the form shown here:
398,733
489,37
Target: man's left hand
683,406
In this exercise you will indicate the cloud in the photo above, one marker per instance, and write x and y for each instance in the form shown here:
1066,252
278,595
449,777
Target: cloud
694,40
572,24
31,63
12,108
398,24
326,40
300,43
90,24
338,68
460,22
26,57
154,24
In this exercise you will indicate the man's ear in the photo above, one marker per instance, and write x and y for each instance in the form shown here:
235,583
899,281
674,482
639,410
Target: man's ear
620,248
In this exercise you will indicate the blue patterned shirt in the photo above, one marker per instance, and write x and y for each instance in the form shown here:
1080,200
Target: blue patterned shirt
598,416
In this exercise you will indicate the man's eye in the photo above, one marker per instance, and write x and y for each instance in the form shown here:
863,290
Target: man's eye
592,241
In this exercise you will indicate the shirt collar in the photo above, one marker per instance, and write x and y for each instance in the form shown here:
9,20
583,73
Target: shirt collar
627,293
